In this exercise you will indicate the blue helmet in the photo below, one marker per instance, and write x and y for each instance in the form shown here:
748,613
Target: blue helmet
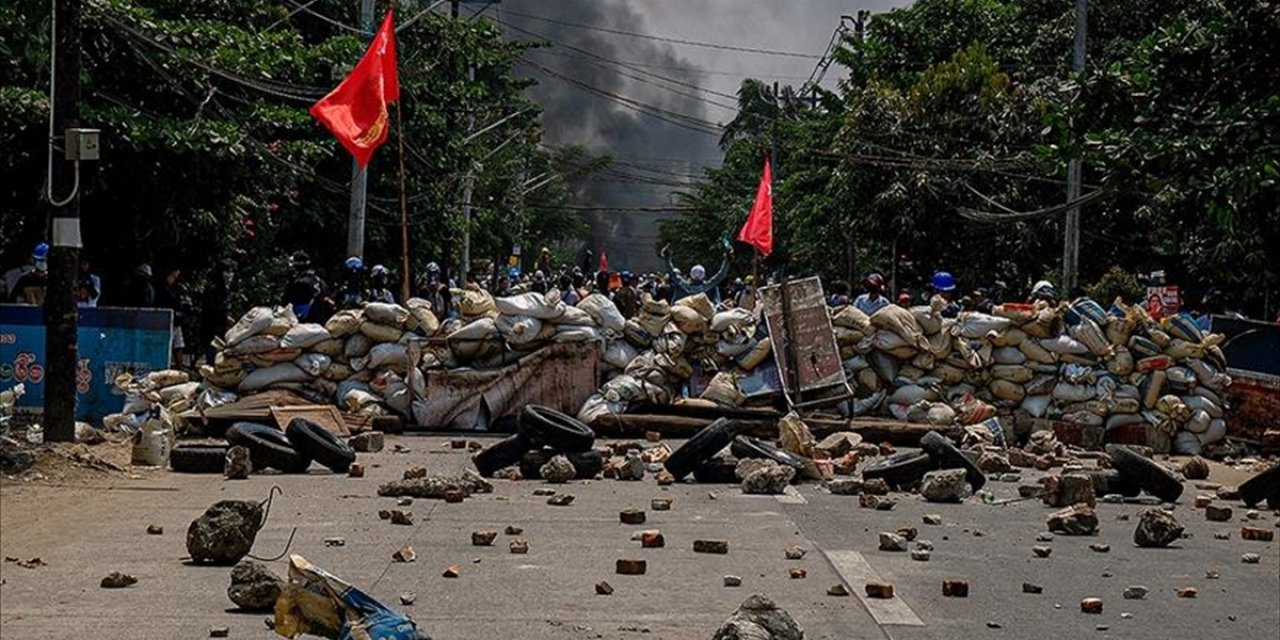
354,264
944,281
41,252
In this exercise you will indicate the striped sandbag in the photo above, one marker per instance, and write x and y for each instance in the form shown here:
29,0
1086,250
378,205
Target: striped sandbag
1091,310
1182,326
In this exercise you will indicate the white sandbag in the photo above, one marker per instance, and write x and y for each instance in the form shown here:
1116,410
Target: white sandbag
209,398
974,326
1120,362
1010,337
305,335
275,374
180,391
940,415
1216,432
1012,373
1207,393
394,390
723,390
344,323
268,358
252,323
845,336
573,316
635,334
941,344
597,407
604,312
735,317
357,346
851,318
734,348
314,364
478,339
1186,443
900,321
359,400
1063,344
924,361
1036,406
333,347
911,394
473,304
1117,420
421,317
756,355
1008,355
688,319
518,329
619,354
1066,392
381,332
568,333
229,379
1088,334
889,342
254,345
1200,403
930,322
1199,421
675,366
700,303
282,320
1010,392
532,304
166,378
1032,349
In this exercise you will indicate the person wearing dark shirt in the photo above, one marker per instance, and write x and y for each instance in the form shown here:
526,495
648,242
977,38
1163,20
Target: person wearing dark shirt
138,291
172,295
304,289
627,297
698,282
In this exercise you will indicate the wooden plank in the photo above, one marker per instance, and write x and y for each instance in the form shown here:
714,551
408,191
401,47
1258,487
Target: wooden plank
324,415
634,425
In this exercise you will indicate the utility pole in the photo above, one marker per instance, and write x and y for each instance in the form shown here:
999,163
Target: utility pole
60,344
469,179
1071,229
359,177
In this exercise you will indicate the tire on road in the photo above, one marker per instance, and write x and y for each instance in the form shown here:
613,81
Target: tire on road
1144,472
198,458
268,447
1264,486
946,456
501,455
701,447
316,442
749,447
901,469
544,426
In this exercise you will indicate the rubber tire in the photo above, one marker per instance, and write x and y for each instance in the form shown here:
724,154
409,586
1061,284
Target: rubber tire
701,447
946,456
501,454
317,443
901,469
268,447
198,459
1264,486
718,470
749,447
1110,481
1145,473
588,464
546,427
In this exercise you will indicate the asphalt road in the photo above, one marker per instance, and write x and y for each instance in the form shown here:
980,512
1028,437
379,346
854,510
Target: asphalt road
85,532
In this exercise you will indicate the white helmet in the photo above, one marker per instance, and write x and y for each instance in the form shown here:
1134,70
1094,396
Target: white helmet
698,272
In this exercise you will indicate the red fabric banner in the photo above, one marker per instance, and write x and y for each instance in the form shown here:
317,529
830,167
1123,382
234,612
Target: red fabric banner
356,112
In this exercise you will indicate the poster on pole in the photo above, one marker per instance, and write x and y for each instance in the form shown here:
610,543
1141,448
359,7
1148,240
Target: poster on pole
1163,301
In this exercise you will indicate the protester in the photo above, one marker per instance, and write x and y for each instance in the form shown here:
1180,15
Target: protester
172,295
138,290
353,284
904,299
432,289
839,294
746,297
544,261
873,300
88,287
28,287
697,282
305,288
378,291
944,287
539,282
215,308
982,302
627,297
1044,290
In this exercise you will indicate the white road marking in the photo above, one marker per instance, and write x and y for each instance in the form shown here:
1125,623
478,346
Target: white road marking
856,572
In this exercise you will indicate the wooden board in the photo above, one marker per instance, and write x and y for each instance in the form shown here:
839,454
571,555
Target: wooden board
817,356
324,415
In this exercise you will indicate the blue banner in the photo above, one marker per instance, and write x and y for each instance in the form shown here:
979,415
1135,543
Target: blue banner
111,341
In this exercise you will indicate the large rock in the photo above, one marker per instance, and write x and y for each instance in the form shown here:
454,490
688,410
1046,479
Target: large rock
992,462
254,587
748,466
558,470
769,480
840,443
758,618
437,487
1156,528
947,485
1069,489
225,532
1076,520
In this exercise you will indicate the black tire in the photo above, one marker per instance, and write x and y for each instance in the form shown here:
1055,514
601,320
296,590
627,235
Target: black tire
1264,486
1110,481
700,448
1144,472
588,464
718,470
268,447
546,427
946,456
901,469
317,443
749,447
501,455
198,459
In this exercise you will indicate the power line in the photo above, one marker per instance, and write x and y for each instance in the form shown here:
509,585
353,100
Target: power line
647,65
646,36
731,107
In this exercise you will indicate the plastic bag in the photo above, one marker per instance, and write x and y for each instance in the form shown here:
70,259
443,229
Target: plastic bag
319,603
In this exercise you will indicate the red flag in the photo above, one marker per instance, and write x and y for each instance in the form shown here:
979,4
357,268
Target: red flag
604,262
758,230
356,111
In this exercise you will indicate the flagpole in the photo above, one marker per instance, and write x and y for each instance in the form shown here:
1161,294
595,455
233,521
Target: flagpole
404,208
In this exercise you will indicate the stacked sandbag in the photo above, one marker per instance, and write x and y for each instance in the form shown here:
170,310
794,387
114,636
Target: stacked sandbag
168,391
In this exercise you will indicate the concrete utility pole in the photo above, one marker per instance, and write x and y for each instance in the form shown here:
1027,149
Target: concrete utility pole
60,344
468,180
1071,240
359,177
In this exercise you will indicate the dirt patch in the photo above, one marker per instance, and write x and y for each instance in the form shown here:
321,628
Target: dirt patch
78,463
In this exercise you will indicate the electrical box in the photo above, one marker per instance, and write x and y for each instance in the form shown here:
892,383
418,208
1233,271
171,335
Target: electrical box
82,144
